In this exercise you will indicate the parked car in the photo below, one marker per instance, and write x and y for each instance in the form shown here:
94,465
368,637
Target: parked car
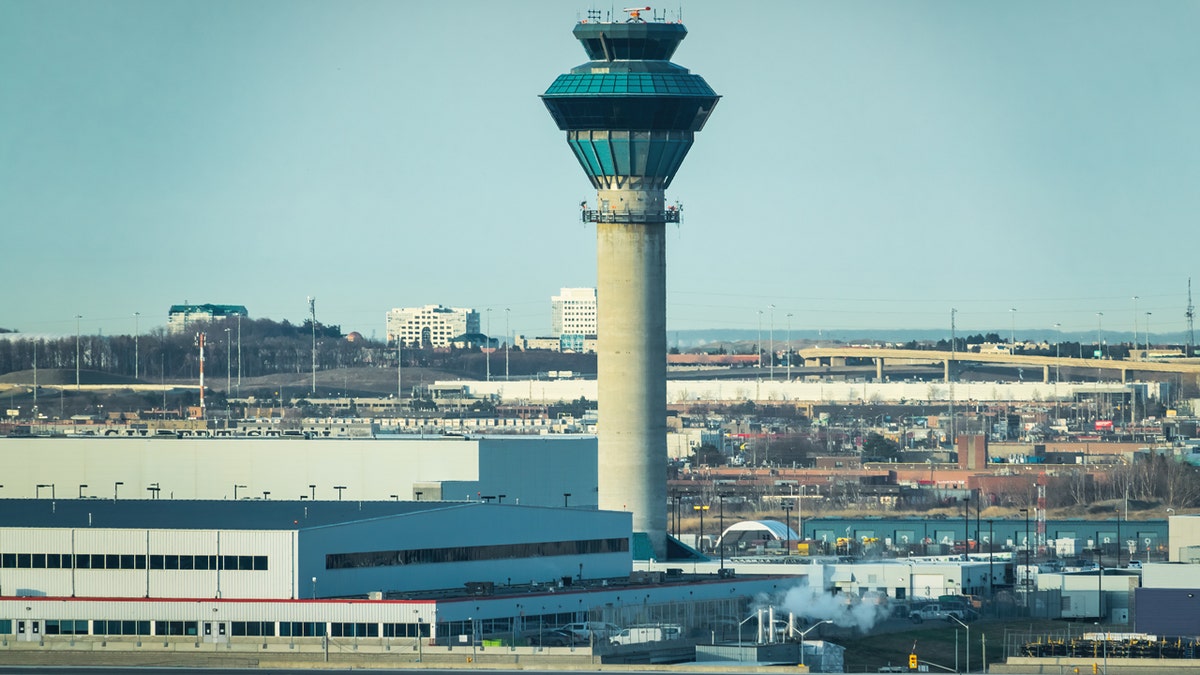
1134,565
585,631
555,638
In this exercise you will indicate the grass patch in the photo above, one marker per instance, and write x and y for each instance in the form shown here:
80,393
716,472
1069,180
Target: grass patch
935,644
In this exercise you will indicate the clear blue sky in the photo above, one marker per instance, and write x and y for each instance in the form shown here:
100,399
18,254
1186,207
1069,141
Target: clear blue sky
872,164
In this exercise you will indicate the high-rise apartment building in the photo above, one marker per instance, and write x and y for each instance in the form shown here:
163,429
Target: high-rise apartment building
431,325
573,312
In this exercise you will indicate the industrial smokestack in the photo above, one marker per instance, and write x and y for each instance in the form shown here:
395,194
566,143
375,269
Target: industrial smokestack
631,117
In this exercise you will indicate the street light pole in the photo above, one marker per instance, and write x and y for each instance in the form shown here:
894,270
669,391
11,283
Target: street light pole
312,308
789,347
967,527
239,384
1012,336
135,344
721,506
758,343
787,528
772,333
487,344
228,362
956,620
507,335
77,318
804,634
991,548
1148,334
1135,340
1025,512
800,512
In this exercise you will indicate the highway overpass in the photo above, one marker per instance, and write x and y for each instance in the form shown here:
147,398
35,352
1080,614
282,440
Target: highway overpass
838,356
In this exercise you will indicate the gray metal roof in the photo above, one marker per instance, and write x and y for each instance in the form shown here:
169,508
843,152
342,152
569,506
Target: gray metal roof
198,514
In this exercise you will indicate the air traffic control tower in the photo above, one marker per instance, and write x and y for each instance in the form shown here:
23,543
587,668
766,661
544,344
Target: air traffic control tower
631,116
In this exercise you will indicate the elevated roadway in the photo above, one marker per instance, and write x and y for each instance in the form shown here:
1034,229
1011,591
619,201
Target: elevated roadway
838,357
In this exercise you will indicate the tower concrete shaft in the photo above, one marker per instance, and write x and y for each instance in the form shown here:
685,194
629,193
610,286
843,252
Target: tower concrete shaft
631,117
631,361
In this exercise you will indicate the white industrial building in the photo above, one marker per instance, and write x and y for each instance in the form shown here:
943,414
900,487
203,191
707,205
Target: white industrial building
573,312
372,571
296,549
526,470
431,325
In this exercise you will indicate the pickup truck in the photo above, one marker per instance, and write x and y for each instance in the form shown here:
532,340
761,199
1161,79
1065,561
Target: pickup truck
937,612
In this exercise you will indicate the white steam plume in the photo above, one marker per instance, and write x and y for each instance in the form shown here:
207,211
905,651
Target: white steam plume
846,611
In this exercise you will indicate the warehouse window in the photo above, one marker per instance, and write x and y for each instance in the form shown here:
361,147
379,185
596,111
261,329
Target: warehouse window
253,628
405,630
130,561
475,553
120,628
301,629
354,629
66,627
175,628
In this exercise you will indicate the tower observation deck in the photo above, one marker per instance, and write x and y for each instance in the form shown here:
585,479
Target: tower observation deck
630,116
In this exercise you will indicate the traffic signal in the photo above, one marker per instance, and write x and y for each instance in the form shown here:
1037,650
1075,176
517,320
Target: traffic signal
912,661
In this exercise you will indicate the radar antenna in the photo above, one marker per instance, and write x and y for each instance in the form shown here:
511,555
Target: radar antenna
635,14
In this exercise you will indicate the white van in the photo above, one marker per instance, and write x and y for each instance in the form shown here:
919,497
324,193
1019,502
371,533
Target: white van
639,634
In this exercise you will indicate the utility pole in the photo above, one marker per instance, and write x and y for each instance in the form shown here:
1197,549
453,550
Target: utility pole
312,309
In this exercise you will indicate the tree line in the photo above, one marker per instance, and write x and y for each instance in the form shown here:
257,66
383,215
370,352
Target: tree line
266,347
